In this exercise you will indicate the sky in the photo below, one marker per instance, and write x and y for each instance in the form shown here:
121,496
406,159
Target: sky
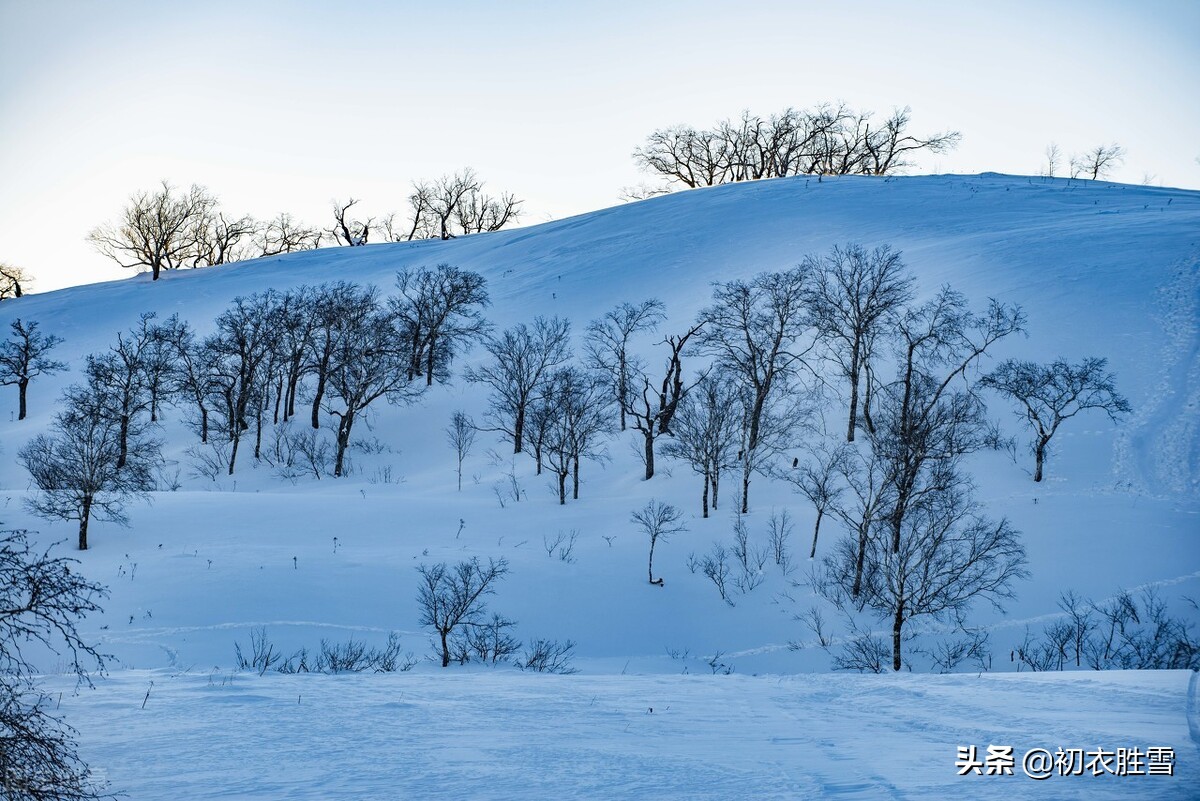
287,106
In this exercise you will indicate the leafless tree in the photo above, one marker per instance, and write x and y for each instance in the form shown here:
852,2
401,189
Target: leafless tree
607,344
950,556
453,598
193,373
42,600
461,436
1053,158
818,478
889,147
24,357
706,429
576,403
75,466
1097,162
653,406
760,333
928,421
334,305
156,230
283,234
297,323
659,521
1052,393
829,139
438,312
14,281
863,504
239,352
218,238
852,294
347,230
522,359
365,367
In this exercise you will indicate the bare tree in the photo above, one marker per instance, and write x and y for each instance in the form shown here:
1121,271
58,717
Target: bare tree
851,296
1097,162
760,333
42,600
461,436
927,423
194,374
1053,159
23,357
218,238
347,230
863,504
829,139
239,352
659,521
451,598
706,430
576,404
14,281
607,344
654,407
75,466
523,358
156,230
283,234
438,312
365,367
1052,393
335,303
950,556
818,479
889,147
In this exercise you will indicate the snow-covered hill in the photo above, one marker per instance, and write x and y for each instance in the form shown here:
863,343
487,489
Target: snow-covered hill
1101,270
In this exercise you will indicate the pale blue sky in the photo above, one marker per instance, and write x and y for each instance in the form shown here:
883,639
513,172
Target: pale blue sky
283,106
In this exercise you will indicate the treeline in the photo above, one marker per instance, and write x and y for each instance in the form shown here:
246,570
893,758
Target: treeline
169,229
828,139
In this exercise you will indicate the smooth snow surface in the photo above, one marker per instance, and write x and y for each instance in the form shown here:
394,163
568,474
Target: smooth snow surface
1100,269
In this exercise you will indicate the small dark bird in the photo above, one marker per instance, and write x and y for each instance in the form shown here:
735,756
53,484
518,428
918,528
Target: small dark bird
796,462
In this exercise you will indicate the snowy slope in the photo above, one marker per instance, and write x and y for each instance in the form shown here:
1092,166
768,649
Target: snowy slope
1100,269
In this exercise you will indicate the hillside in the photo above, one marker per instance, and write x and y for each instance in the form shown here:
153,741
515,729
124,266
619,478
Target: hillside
1100,269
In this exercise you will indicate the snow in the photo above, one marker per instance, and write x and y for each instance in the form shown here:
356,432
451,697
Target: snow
1101,269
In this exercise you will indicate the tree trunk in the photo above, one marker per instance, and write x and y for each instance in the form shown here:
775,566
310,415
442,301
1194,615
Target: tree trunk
203,423
83,522
518,430
897,624
853,424
1042,442
258,418
237,439
651,564
863,530
704,496
124,441
575,480
745,486
343,440
816,532
562,487
716,476
649,436
316,407
22,386
429,363
445,649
